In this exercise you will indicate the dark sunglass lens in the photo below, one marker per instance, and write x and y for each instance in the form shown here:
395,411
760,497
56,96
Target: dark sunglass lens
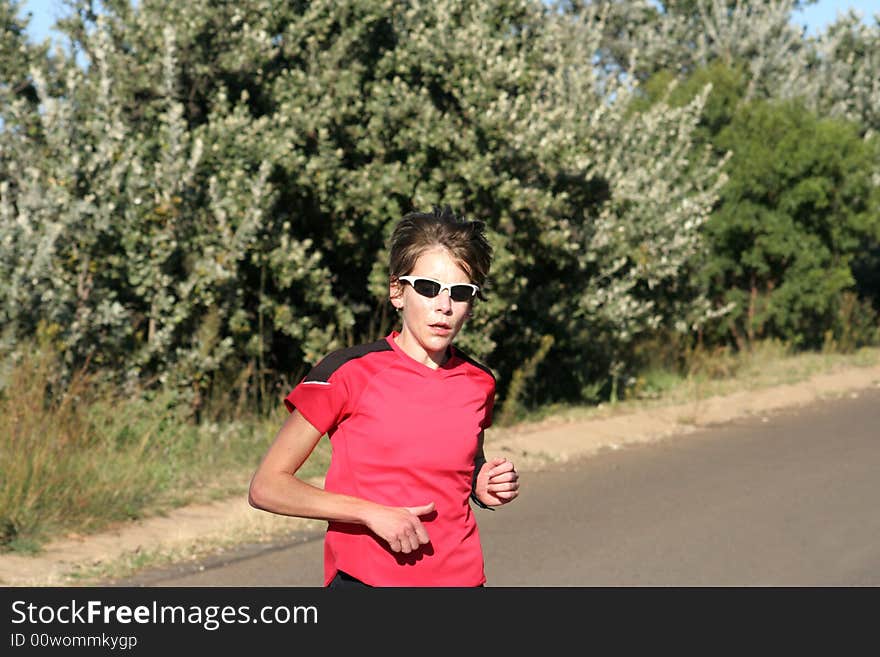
461,292
426,288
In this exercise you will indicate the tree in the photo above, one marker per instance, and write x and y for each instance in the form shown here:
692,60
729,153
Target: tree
793,215
682,36
207,196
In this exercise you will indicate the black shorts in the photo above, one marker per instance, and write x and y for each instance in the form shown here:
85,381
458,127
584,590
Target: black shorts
345,581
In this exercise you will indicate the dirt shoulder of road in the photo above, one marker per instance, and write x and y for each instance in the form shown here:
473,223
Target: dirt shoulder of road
194,532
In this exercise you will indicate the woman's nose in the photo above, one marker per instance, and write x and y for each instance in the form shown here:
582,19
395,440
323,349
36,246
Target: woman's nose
444,301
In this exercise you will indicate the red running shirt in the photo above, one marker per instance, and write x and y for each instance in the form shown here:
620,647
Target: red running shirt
402,434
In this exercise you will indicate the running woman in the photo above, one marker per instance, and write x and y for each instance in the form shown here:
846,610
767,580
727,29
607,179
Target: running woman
406,417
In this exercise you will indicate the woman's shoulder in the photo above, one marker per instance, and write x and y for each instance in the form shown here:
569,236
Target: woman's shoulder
473,363
335,360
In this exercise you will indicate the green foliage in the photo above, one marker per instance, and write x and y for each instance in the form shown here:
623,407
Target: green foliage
728,83
837,74
211,193
794,222
196,196
17,55
795,212
684,36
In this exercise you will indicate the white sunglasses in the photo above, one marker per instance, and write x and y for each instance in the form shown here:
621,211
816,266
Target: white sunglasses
428,287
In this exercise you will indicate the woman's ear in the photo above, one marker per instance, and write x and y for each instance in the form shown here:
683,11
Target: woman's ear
395,292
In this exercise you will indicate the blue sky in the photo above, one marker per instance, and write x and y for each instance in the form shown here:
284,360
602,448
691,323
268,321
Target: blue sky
815,17
822,14
43,15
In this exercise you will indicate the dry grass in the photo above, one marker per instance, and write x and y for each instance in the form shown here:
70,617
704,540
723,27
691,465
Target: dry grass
710,374
77,457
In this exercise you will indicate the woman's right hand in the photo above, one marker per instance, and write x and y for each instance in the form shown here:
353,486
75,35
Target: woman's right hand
400,527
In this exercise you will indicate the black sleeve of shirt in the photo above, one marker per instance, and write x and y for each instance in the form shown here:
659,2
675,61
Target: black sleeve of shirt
479,462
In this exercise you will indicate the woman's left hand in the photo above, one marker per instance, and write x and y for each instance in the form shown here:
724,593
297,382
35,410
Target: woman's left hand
497,482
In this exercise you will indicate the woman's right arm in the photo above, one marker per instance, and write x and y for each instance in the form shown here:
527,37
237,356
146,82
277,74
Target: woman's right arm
276,488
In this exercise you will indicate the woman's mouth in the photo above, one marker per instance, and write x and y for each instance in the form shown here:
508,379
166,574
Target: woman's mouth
440,328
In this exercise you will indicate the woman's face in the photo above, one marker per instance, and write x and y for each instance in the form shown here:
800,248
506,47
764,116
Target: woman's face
430,324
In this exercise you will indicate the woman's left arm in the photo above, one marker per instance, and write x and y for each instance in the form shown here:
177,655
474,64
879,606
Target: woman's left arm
497,481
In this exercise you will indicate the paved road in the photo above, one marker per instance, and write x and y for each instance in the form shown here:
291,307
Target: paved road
790,499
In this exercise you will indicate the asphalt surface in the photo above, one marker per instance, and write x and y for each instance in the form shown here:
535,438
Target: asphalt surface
788,499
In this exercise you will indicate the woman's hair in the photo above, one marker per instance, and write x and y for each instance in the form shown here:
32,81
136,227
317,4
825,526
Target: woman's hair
465,240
